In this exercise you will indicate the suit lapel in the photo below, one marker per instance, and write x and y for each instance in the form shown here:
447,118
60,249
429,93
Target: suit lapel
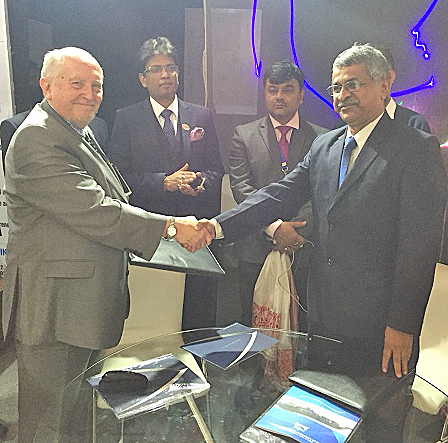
184,134
105,165
95,151
373,145
267,134
301,140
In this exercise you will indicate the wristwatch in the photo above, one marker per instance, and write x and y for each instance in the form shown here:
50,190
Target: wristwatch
171,230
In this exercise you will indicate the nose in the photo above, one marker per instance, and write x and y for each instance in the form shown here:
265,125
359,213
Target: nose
88,92
165,72
343,94
279,96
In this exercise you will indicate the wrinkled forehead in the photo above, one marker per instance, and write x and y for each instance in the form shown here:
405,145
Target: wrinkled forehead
75,66
351,72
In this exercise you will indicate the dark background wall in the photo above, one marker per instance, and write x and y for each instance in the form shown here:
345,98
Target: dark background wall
113,30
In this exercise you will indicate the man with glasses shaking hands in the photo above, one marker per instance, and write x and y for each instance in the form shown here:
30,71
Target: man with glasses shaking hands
378,190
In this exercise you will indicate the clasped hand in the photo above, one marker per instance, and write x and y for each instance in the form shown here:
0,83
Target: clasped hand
193,234
181,180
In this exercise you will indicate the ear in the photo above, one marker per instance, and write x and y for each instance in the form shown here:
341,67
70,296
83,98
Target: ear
302,94
385,88
142,79
45,85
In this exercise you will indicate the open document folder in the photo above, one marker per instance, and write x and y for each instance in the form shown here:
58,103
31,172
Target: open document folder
232,345
303,417
171,256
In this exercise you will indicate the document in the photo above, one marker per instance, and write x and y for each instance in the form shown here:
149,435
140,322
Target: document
231,346
308,418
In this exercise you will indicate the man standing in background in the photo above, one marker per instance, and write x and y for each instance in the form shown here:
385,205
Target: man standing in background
168,152
261,153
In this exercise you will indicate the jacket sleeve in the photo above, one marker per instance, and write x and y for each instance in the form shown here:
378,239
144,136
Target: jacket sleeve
47,178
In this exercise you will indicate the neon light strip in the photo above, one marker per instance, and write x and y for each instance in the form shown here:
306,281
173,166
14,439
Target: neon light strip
296,60
258,65
415,31
429,84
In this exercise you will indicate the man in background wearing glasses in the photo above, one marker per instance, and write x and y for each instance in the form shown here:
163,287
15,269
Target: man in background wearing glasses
378,190
167,150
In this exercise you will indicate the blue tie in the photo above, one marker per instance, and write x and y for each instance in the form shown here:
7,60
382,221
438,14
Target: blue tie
349,145
168,127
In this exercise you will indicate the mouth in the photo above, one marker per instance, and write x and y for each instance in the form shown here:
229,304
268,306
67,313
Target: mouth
344,106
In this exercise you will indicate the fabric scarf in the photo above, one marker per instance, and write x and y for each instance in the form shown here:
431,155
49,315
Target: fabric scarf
275,307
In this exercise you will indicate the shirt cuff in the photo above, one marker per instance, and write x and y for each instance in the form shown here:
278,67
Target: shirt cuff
218,230
270,230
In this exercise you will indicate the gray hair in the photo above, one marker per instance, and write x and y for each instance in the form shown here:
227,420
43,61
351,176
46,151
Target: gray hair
373,60
156,46
54,59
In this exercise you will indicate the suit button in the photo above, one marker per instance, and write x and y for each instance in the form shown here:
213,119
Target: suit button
330,262
331,227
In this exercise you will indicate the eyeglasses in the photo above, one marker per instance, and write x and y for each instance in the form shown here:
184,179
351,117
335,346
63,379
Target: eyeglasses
157,69
350,86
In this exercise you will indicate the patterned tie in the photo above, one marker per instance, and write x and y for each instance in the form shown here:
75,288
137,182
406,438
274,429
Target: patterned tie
283,142
349,145
168,127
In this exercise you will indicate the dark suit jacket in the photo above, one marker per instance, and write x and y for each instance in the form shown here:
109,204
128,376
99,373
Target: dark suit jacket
378,236
405,116
10,125
138,147
255,162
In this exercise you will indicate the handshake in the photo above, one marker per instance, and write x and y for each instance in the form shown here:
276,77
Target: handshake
193,234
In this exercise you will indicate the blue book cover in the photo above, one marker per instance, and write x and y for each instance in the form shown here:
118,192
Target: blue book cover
232,345
308,418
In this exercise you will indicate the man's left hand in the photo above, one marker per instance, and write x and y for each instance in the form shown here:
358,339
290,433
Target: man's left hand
192,192
286,237
397,345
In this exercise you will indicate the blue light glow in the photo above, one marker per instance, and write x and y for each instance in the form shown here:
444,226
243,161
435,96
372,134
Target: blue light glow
415,31
429,84
258,65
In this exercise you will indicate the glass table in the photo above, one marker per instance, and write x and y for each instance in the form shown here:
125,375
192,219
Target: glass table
222,405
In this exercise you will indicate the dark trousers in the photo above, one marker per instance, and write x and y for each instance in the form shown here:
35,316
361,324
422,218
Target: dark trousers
54,405
385,422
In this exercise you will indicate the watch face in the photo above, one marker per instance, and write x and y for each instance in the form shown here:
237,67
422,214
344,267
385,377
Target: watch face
171,231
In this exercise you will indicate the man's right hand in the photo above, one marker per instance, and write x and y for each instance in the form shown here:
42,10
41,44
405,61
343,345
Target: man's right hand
178,178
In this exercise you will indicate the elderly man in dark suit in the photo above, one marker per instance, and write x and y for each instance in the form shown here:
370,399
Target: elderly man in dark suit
70,230
378,190
262,152
168,152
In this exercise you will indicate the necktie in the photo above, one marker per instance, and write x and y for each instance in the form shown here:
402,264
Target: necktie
349,145
168,127
283,142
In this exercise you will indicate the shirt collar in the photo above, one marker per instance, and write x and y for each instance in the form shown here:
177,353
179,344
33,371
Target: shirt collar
158,108
390,108
362,135
294,122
